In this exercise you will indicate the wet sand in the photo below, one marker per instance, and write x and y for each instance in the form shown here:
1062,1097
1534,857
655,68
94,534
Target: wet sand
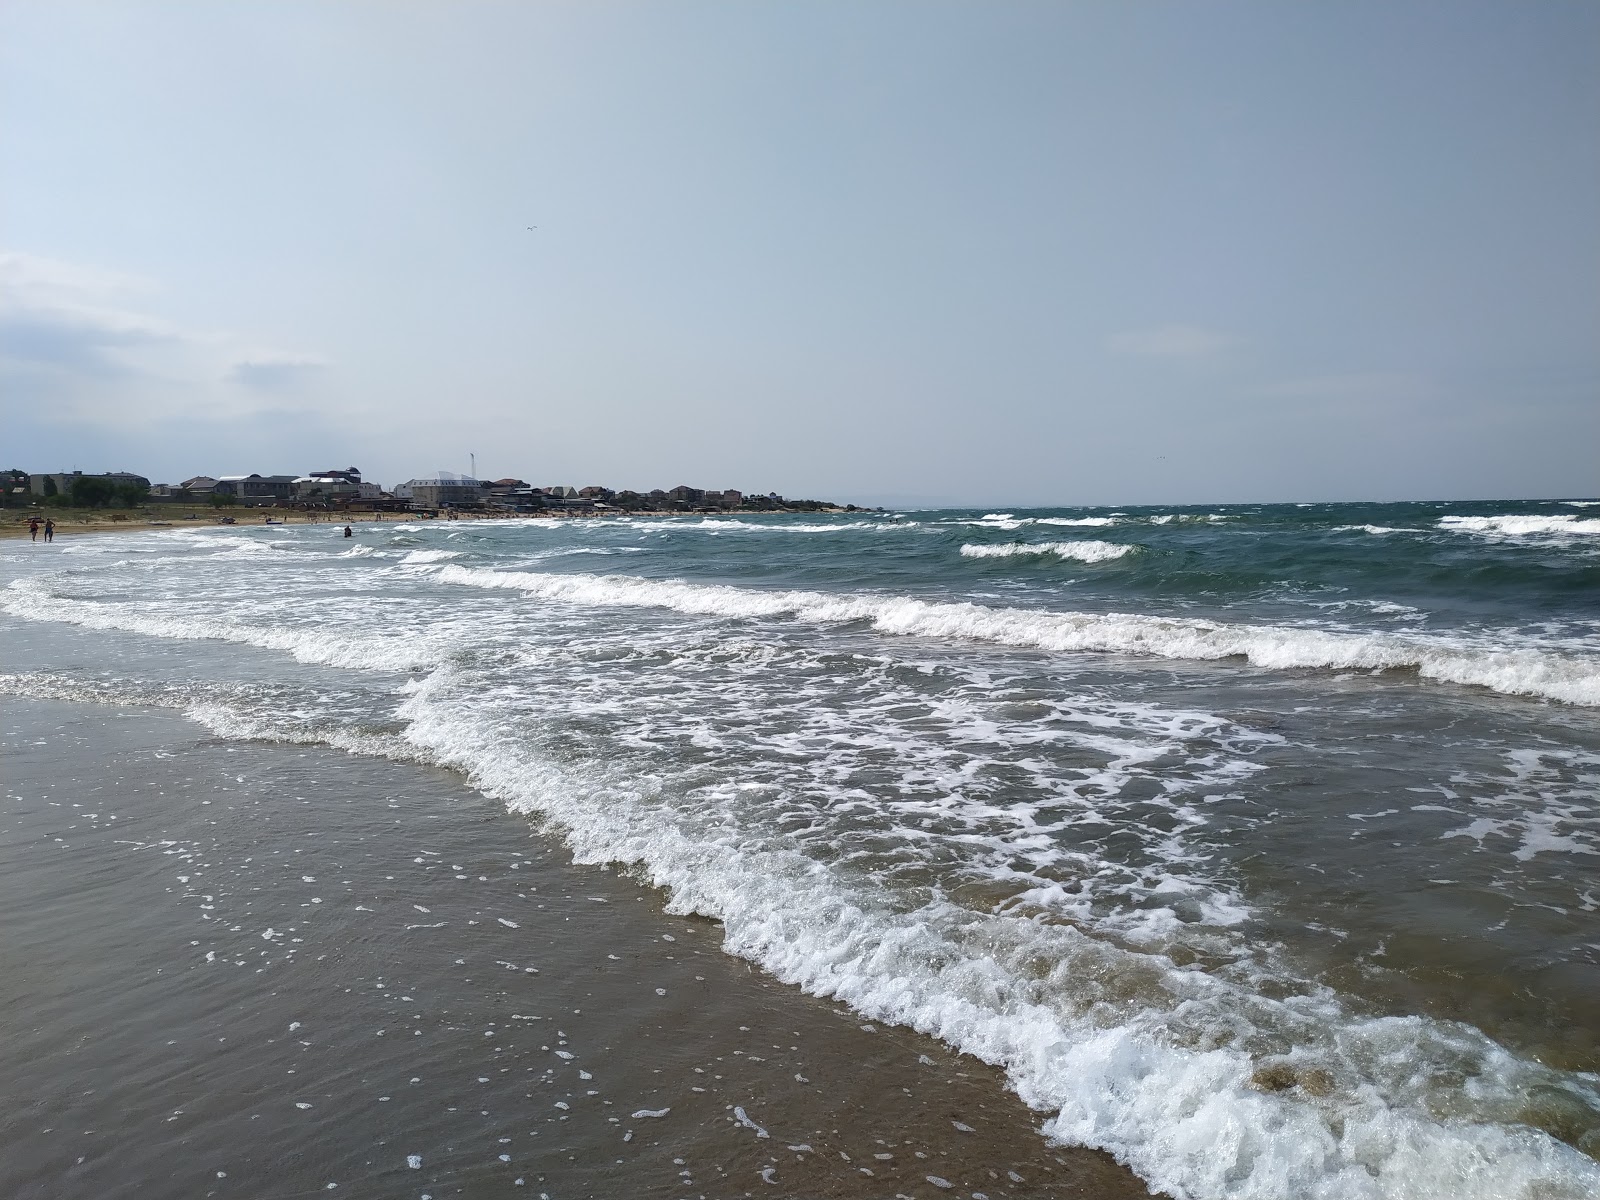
260,970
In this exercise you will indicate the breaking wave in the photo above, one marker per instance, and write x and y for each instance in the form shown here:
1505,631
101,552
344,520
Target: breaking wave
1207,1088
1523,526
1525,671
1085,552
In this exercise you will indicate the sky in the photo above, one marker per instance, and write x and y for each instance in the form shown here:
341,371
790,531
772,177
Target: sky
887,251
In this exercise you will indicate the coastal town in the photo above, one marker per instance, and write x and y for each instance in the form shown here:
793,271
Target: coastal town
343,491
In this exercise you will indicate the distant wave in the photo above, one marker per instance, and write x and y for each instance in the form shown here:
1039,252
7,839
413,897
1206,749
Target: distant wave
724,524
1086,552
1008,521
1522,526
1373,529
797,527
1523,671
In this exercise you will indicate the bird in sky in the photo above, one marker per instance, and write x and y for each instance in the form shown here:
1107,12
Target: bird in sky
533,227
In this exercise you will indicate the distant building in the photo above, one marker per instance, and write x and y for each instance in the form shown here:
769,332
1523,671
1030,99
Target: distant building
60,482
255,489
512,484
198,485
350,475
445,492
323,486
686,494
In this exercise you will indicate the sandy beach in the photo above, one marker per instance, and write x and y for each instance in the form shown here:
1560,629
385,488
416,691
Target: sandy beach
14,524
80,521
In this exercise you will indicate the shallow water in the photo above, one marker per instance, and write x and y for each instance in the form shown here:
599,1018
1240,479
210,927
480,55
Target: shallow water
245,969
1255,844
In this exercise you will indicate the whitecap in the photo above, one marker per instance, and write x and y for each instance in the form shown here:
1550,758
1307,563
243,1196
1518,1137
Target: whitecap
1085,552
1510,526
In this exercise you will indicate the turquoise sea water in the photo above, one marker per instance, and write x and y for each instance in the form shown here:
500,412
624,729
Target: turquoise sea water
1260,844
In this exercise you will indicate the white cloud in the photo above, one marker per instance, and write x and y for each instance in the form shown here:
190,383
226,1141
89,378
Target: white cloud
1172,341
57,316
77,339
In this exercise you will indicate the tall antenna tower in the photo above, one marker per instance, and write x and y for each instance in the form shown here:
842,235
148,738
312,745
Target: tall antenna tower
474,459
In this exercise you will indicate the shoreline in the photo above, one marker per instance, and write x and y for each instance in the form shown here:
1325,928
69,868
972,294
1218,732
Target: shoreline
77,522
254,953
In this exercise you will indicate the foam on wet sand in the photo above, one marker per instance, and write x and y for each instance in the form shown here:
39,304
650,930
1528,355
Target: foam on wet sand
171,1045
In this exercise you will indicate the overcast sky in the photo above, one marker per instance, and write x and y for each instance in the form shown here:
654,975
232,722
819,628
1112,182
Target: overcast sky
987,252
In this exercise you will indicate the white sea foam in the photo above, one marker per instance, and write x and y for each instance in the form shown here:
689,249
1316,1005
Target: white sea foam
1523,671
417,557
1008,521
1161,1077
1522,526
333,646
1085,552
1372,529
1159,1068
718,524
1547,802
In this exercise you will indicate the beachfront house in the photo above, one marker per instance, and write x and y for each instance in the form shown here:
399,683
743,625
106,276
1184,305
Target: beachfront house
445,491
326,487
255,489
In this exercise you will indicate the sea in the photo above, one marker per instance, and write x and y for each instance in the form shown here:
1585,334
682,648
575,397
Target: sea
1255,846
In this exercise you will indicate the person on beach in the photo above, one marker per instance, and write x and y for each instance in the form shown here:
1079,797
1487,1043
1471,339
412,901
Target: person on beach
49,530
33,529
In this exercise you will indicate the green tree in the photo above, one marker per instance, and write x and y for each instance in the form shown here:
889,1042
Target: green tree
131,495
49,487
88,492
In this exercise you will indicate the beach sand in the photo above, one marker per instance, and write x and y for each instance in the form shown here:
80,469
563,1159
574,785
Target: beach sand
249,969
14,522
